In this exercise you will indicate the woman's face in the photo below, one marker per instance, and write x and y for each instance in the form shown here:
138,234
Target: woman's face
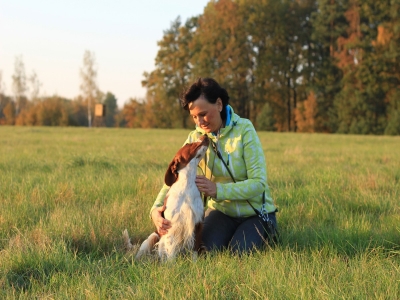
206,115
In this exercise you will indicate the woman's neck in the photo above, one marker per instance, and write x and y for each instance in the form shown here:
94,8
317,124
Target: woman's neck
219,128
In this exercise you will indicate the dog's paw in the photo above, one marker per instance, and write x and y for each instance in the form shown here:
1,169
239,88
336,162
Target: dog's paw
202,250
148,245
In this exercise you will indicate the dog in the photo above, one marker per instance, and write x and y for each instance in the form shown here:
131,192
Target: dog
183,207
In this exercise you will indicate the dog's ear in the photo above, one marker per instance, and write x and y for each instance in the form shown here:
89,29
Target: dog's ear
172,172
181,159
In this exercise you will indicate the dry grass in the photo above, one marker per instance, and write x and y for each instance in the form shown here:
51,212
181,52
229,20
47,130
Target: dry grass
66,195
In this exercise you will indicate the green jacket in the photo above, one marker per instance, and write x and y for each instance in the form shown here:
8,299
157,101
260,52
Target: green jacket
242,151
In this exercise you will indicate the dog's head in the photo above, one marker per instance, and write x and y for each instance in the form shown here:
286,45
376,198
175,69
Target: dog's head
193,151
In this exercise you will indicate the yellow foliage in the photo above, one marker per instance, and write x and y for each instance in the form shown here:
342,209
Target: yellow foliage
9,113
384,36
305,114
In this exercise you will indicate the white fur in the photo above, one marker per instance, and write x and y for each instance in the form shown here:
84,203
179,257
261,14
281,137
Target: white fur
184,209
148,245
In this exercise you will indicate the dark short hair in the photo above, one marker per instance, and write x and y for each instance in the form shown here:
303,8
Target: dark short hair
209,89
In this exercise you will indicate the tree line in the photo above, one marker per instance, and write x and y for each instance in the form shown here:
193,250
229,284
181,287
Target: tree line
288,65
27,107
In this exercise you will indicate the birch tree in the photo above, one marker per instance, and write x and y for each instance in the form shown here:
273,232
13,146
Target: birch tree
35,86
89,82
19,86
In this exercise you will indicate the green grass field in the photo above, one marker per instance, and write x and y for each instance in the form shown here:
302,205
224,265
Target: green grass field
66,195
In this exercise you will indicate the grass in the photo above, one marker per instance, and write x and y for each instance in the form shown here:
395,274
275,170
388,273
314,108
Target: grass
66,195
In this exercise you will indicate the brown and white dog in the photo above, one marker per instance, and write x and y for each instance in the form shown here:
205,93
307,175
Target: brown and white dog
184,206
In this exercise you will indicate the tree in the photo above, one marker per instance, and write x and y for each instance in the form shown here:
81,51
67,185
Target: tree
3,101
393,124
367,58
7,106
134,113
88,86
329,23
261,23
52,111
78,112
172,74
307,65
35,86
221,50
265,119
305,114
110,103
9,113
386,54
19,85
2,86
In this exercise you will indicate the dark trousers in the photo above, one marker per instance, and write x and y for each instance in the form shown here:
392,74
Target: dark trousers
237,234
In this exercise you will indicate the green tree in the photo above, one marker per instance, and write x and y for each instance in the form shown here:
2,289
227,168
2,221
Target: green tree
265,119
329,23
320,65
279,34
221,50
78,112
393,124
171,76
385,57
110,103
53,111
369,66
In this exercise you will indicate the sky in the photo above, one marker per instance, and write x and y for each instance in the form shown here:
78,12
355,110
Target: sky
51,37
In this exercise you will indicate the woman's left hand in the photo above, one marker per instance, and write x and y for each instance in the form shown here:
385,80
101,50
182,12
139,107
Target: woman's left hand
206,186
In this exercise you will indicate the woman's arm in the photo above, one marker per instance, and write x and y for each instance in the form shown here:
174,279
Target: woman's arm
253,160
156,211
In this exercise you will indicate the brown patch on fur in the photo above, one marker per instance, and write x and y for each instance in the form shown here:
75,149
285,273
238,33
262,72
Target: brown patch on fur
181,159
198,243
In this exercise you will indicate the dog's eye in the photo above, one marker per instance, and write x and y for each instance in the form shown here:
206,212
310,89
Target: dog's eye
198,156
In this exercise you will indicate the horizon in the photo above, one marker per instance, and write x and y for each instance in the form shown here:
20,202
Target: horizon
51,38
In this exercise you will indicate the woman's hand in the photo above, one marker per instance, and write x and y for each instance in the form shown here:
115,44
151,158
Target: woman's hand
162,224
206,186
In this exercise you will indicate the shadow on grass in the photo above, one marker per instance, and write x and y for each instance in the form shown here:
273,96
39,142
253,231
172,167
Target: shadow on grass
84,247
96,162
311,237
25,273
347,243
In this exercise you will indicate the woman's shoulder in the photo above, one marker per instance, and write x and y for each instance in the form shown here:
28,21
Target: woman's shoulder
193,136
242,123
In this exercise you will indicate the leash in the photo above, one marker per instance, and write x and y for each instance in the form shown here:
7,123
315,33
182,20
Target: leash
214,146
263,214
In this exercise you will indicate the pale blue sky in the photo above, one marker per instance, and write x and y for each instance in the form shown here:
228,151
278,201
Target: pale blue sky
52,36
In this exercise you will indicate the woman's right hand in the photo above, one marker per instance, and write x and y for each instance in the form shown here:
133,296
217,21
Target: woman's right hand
162,224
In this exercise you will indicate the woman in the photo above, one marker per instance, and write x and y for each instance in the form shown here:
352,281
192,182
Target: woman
230,220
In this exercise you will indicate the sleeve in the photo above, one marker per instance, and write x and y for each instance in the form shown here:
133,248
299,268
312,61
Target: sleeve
192,137
256,171
160,198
